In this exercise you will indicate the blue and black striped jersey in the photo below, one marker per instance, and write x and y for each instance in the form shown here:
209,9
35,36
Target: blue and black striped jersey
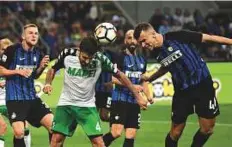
179,55
15,57
105,77
133,66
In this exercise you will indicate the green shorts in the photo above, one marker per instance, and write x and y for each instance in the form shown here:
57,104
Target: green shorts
67,118
3,110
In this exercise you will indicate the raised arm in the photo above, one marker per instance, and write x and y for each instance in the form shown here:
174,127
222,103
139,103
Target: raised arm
43,64
216,39
52,71
48,82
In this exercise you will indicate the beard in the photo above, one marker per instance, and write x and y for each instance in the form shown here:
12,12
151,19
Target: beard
131,48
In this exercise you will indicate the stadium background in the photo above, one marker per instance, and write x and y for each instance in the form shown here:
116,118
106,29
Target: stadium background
65,23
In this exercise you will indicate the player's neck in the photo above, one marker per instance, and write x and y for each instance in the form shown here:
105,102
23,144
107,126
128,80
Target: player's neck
26,46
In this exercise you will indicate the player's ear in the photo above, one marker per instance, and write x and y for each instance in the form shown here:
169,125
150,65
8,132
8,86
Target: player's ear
23,35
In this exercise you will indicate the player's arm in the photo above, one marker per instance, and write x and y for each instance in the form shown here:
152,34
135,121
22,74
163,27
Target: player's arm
6,59
118,82
147,92
160,72
216,39
43,64
52,71
125,81
185,36
107,65
2,84
196,37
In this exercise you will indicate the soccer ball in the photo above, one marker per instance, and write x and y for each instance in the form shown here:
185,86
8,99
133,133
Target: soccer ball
105,33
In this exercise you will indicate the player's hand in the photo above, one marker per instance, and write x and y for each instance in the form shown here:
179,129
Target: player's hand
2,84
24,72
44,62
47,89
150,100
145,77
139,88
141,101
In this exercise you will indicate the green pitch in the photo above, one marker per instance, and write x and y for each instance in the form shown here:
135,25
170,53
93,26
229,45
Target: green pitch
155,125
155,121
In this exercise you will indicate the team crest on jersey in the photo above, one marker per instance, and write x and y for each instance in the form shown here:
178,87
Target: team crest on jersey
34,59
116,117
170,49
142,65
13,116
4,57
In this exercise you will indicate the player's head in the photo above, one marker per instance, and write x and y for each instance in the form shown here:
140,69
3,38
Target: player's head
30,35
130,41
147,37
88,47
4,43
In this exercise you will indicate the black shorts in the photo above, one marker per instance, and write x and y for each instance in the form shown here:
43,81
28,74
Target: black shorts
103,99
31,110
127,114
200,99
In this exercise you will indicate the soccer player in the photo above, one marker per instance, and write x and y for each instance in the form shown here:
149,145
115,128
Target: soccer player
104,90
77,101
21,63
125,112
4,43
193,86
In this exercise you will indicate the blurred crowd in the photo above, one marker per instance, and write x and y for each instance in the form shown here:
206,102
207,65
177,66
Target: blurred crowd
61,24
64,24
213,23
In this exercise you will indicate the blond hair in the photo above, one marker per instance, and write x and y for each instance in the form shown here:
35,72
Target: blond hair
4,43
29,26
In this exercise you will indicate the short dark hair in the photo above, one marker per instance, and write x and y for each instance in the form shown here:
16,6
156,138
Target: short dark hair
141,27
89,45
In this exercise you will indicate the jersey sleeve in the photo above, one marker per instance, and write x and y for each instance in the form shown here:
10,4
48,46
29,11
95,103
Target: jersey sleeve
118,58
107,65
8,56
145,66
60,59
185,36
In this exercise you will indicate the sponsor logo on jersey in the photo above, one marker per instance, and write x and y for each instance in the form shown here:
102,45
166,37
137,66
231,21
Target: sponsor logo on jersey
133,74
32,67
81,72
170,49
171,58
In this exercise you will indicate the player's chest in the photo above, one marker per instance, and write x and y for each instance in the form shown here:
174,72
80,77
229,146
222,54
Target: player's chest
26,60
134,63
134,66
75,69
170,54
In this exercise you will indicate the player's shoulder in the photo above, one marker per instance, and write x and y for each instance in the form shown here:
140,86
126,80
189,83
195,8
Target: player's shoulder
14,46
68,52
